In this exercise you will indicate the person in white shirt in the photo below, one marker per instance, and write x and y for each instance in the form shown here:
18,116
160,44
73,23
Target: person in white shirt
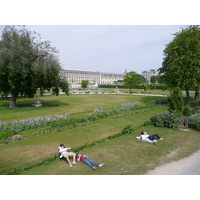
63,151
146,137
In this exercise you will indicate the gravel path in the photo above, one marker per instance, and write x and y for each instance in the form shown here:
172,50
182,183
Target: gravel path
187,166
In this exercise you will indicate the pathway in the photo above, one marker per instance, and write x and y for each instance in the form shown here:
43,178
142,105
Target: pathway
187,166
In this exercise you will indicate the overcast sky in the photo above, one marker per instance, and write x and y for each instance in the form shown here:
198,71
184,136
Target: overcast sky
108,48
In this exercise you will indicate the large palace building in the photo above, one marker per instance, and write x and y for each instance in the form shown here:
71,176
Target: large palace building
74,77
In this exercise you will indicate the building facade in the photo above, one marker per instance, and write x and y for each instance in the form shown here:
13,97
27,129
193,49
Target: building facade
74,77
148,74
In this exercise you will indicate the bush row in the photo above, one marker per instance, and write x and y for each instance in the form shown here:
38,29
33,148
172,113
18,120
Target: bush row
172,120
167,119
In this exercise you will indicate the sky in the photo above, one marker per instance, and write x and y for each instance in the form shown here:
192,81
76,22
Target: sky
108,48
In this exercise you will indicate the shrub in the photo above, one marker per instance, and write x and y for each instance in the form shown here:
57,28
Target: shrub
195,126
157,121
147,123
194,122
7,133
128,129
159,101
186,111
167,119
175,101
194,103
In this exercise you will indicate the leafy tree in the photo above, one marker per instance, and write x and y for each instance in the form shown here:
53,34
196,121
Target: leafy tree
26,64
153,85
142,78
155,79
131,79
84,83
181,63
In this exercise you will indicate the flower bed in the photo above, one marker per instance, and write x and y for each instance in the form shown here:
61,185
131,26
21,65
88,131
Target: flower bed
101,113
24,124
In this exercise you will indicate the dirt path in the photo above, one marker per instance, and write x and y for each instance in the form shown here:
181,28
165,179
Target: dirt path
187,166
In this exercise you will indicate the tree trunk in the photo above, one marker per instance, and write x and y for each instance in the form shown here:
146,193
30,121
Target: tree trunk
197,94
187,96
13,100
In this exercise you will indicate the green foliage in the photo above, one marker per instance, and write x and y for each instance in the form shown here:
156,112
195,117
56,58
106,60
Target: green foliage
195,103
146,123
145,86
128,129
159,101
194,121
27,64
181,64
167,119
155,79
84,83
131,79
186,111
7,134
175,101
195,126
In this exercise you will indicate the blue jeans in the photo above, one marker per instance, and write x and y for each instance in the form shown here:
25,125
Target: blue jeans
154,137
90,162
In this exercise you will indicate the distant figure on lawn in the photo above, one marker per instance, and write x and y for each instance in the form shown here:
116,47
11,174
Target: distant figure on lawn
88,161
63,151
149,138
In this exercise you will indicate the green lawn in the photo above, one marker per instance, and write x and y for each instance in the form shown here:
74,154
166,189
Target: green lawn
125,155
121,155
79,105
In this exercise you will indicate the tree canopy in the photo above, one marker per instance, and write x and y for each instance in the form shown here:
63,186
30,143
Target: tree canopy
181,62
131,79
84,83
27,64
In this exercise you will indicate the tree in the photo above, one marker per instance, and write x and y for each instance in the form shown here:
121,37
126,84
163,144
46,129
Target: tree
153,86
142,79
26,64
155,79
181,62
131,79
84,83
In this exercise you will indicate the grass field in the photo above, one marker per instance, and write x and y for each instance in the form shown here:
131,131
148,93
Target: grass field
121,155
77,105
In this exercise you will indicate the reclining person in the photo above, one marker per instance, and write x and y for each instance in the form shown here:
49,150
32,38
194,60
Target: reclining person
149,138
63,151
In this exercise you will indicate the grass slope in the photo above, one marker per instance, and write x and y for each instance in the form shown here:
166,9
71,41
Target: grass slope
34,149
125,155
121,155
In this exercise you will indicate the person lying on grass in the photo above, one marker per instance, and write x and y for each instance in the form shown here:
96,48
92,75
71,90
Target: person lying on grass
88,161
149,138
63,151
